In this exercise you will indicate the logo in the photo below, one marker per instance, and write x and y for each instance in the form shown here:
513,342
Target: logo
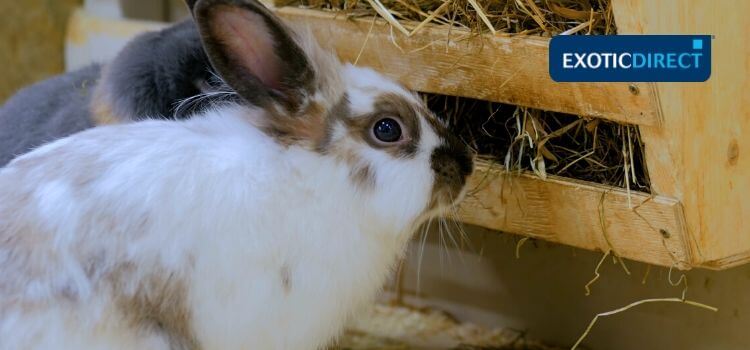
630,58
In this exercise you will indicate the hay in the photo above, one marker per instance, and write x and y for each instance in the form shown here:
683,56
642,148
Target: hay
682,299
404,327
547,143
597,275
526,17
634,304
519,245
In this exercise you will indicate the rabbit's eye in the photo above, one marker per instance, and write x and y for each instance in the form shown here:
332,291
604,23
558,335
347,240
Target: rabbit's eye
387,130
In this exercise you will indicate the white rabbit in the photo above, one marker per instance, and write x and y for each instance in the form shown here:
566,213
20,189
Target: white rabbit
261,223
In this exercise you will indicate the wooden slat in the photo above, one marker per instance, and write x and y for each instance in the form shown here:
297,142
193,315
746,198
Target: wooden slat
503,69
699,154
569,212
31,44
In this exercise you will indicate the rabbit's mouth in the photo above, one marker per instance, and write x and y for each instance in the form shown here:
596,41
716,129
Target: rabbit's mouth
445,202
452,164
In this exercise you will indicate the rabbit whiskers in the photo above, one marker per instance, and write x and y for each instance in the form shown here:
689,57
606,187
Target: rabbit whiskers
444,229
222,93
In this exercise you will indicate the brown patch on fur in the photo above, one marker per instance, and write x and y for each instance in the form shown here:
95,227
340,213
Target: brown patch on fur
158,304
309,127
390,105
20,240
363,176
57,160
102,114
339,112
27,243
100,107
360,173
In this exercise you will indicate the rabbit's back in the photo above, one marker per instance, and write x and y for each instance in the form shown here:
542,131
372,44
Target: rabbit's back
79,241
88,245
46,111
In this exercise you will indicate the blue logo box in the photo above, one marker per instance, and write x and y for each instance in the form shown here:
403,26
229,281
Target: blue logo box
630,58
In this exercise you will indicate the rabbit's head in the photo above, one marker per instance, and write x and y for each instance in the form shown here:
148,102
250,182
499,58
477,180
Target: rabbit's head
400,158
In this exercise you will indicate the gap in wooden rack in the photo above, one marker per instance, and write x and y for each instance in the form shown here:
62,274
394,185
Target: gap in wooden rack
547,143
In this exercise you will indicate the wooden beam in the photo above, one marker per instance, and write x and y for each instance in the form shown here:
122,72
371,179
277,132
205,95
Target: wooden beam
701,153
502,69
580,214
31,45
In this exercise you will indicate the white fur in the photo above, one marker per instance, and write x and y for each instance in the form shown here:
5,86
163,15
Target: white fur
213,201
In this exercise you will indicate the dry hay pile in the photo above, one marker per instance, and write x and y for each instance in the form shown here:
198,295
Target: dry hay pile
524,17
546,142
404,328
520,138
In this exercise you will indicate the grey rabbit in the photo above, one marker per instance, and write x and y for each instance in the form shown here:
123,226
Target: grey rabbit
147,79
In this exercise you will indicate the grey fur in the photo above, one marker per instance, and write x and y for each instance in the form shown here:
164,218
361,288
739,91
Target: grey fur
147,79
157,70
46,111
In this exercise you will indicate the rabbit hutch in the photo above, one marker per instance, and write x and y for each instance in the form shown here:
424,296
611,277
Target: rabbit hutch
650,172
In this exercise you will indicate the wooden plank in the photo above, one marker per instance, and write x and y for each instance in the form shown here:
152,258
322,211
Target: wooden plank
502,69
699,154
32,42
579,214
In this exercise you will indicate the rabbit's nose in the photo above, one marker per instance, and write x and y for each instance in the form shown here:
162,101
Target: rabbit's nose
452,163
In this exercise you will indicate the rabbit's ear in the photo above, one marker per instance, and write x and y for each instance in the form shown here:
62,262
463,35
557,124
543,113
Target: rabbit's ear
254,52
